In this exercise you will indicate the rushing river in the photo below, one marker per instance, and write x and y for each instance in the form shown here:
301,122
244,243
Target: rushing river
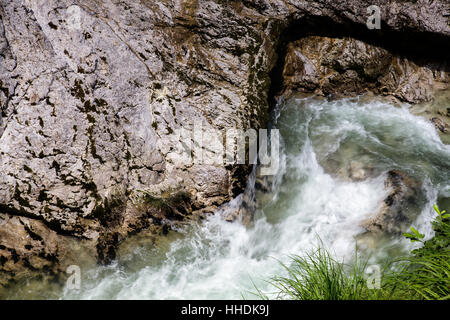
312,200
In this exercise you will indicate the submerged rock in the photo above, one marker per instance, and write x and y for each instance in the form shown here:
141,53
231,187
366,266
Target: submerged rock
359,171
340,166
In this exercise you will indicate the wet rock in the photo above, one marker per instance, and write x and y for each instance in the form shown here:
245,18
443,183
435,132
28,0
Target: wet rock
29,248
353,170
359,171
257,194
398,208
440,124
240,208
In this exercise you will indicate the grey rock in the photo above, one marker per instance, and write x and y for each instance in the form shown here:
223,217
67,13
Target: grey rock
92,91
340,67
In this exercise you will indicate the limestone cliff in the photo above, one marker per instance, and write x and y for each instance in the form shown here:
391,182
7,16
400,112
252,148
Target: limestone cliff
91,92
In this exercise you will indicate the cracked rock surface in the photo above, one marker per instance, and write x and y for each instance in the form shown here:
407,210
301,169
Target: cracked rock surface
342,67
91,93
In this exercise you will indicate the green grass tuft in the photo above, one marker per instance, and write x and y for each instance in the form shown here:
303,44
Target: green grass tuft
424,275
317,276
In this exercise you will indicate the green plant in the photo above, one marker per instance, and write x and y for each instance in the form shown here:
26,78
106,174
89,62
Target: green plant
414,236
421,277
318,276
442,214
425,274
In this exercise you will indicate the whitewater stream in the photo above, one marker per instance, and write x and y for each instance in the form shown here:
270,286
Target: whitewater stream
311,200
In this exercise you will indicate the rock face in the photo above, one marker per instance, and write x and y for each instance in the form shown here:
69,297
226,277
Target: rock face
92,92
29,245
346,67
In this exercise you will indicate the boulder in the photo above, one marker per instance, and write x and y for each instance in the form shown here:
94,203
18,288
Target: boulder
398,208
342,67
440,124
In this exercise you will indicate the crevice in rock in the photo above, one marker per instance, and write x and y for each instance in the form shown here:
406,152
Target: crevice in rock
419,47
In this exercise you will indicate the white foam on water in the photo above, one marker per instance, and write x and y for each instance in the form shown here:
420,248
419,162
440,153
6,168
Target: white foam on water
220,260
